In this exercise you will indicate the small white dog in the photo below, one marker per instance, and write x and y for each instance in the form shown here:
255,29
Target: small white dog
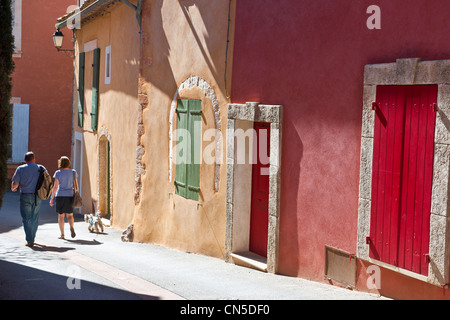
94,221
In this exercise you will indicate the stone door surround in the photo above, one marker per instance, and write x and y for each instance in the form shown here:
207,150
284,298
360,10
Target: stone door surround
252,112
410,72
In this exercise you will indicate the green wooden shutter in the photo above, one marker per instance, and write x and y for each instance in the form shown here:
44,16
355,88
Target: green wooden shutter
194,128
80,88
95,89
182,147
189,129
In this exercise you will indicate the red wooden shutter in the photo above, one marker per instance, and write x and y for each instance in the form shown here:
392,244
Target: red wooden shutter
386,172
417,178
402,175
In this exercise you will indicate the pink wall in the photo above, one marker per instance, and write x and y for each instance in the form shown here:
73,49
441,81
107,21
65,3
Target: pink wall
43,79
309,55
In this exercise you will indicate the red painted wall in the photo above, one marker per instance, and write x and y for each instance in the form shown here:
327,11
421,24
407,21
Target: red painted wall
309,55
43,79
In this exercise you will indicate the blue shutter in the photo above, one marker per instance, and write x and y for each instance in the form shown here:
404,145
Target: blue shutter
20,130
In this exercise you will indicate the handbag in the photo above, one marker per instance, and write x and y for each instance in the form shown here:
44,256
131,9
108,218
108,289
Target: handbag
77,200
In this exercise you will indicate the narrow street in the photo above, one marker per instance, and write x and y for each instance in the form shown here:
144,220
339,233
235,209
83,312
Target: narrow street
101,266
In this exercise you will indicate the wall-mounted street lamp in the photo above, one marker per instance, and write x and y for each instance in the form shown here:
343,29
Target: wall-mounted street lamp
58,38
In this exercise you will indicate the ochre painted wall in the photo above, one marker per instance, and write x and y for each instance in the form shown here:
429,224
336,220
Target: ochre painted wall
181,40
117,109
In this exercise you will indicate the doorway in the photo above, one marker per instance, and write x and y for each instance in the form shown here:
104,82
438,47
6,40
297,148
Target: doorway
261,251
104,178
78,162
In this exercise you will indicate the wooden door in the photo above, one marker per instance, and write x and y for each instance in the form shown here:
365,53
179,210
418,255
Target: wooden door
402,175
259,217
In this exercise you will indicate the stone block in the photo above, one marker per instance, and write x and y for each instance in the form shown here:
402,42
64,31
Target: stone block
439,195
365,183
364,207
438,267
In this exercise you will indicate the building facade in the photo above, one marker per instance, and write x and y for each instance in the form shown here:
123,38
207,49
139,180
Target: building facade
105,111
181,176
364,186
41,94
161,83
303,138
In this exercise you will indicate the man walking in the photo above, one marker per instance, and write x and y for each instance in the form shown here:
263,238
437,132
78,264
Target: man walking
25,179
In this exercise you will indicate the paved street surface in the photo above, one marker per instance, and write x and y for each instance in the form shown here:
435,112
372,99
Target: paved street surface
101,266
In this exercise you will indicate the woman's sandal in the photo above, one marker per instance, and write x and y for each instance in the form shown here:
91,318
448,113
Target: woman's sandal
61,237
72,232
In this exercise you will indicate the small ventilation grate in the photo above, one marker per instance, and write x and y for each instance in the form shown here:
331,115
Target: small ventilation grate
340,266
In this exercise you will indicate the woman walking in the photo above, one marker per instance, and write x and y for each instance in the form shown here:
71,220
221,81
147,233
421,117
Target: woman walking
65,184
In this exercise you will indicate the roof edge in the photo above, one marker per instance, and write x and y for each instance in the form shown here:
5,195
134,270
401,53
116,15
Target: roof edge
79,15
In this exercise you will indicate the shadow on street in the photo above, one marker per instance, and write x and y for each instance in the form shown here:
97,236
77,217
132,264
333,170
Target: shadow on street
19,282
37,273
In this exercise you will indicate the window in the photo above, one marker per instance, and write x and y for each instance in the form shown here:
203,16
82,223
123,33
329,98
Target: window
16,8
108,65
187,180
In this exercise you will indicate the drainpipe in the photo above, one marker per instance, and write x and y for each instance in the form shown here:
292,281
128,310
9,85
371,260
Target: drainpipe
72,142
